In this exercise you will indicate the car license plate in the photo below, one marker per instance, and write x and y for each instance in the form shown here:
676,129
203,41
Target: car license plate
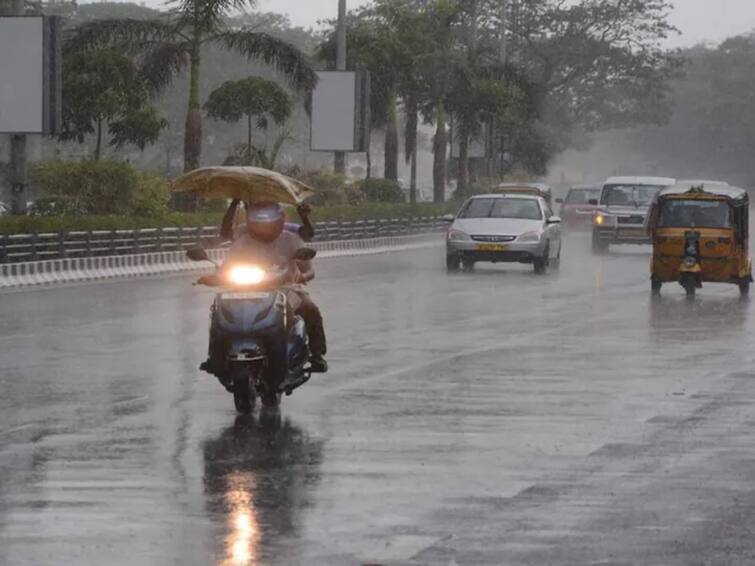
492,247
247,296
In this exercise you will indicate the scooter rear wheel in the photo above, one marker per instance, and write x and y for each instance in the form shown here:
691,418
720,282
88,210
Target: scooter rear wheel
243,394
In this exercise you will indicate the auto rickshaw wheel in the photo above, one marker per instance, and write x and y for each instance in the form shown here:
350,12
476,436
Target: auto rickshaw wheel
744,287
655,286
690,287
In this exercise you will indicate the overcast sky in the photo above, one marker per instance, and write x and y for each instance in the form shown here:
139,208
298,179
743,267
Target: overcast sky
699,20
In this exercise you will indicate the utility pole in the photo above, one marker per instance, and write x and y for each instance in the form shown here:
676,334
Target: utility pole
17,173
504,55
340,156
496,136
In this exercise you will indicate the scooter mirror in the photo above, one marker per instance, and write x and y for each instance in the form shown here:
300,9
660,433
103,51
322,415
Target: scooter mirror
197,254
305,254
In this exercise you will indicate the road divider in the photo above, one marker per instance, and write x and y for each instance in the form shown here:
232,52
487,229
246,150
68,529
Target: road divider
48,273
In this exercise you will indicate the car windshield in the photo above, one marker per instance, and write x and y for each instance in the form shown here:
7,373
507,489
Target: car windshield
629,195
526,209
695,213
582,196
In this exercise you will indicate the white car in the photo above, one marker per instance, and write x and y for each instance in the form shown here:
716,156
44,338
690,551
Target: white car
509,228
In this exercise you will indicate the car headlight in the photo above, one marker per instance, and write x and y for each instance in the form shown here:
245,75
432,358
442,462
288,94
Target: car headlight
599,219
457,235
533,236
246,275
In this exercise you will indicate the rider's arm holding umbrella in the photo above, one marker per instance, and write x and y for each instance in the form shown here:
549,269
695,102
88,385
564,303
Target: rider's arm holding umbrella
307,229
226,226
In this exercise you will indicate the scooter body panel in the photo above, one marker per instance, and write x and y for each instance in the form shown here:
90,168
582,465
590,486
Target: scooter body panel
260,329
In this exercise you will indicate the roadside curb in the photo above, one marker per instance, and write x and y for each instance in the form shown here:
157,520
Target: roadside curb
54,272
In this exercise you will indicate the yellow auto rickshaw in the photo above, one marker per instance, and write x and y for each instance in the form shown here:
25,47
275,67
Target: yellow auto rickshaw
700,234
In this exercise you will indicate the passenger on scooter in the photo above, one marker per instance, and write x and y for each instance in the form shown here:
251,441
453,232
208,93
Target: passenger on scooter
267,241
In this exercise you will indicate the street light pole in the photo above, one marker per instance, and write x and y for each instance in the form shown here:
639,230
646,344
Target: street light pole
340,156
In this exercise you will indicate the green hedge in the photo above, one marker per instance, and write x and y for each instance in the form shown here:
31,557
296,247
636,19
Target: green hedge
103,187
368,211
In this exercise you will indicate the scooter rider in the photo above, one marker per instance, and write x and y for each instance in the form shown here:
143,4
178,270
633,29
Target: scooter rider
306,229
266,240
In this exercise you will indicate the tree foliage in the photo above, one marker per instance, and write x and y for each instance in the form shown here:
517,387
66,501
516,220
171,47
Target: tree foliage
254,98
529,76
259,101
103,89
711,132
174,42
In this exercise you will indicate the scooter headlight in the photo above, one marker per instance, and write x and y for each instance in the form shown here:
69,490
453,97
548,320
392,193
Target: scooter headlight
690,262
246,275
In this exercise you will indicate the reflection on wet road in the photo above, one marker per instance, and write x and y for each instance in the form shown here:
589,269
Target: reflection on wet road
484,418
258,477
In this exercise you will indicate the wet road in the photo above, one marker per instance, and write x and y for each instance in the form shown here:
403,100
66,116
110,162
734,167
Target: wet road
485,418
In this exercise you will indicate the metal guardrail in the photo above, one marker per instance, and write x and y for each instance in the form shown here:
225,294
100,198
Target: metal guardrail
15,248
53,272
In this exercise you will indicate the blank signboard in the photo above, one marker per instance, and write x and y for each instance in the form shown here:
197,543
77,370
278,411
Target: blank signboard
334,112
22,85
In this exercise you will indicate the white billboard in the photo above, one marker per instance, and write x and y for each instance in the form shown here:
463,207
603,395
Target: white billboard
340,111
30,71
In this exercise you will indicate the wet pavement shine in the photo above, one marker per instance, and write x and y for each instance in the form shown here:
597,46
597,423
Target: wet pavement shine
493,417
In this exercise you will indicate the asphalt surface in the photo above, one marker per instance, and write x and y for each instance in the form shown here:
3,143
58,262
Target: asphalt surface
495,417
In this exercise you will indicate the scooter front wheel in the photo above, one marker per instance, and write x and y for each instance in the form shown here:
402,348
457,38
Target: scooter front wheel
243,393
270,399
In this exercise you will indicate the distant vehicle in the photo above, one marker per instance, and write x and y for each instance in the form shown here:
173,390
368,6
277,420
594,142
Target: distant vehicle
510,228
690,183
621,210
537,189
576,210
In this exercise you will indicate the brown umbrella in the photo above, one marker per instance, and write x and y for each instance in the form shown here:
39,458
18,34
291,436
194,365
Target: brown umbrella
249,184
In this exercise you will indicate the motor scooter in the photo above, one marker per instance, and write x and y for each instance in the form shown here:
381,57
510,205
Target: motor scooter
265,345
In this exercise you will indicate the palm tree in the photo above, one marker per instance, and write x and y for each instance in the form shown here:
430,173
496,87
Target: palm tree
166,46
